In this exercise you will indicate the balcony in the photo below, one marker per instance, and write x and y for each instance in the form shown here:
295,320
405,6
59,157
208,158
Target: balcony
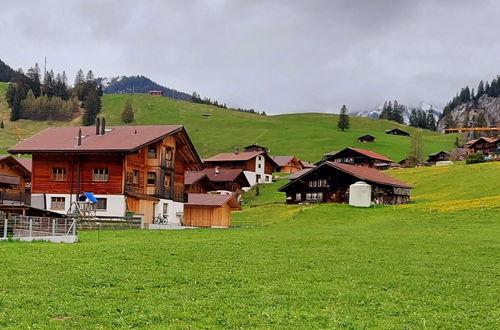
161,192
15,198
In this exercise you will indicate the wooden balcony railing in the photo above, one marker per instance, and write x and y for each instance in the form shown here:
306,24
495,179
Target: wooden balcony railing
161,192
15,198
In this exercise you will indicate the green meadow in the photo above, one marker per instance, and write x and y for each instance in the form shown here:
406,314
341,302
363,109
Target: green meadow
306,135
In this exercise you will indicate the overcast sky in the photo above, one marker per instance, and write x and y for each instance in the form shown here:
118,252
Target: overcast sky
276,56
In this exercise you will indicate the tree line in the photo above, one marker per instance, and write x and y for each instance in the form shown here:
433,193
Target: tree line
30,96
196,98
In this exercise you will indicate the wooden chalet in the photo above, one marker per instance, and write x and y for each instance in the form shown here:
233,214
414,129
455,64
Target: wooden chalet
330,181
397,131
438,157
305,164
257,166
256,148
489,147
366,138
15,184
229,179
359,157
198,182
287,164
137,169
209,210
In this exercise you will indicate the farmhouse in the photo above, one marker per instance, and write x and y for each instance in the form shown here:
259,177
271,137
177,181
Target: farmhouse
198,182
485,145
138,169
257,166
330,181
209,210
256,147
359,157
306,164
397,131
366,138
438,157
287,164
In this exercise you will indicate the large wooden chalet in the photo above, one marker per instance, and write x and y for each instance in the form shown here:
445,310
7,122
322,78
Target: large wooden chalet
138,169
358,157
330,181
489,147
257,166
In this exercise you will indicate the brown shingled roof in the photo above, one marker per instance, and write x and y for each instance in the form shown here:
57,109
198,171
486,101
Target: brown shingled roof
372,154
282,160
241,156
224,175
117,139
212,200
193,177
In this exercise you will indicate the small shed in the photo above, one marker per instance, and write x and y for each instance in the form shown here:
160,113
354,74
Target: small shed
209,210
366,138
397,131
438,157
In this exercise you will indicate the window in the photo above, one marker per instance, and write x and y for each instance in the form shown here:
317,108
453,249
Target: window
259,166
135,177
152,178
152,152
100,174
318,183
314,196
57,203
298,196
102,204
165,209
58,174
267,178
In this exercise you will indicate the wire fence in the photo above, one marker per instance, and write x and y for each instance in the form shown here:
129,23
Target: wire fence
27,228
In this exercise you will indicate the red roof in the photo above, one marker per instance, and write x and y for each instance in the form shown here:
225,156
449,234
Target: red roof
26,162
372,154
282,160
369,174
117,138
487,139
212,200
232,157
193,177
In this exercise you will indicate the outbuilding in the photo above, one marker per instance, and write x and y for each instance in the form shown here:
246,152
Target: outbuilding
209,210
366,138
397,131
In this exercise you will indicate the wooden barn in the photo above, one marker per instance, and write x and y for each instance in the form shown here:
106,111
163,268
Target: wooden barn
209,210
330,181
366,138
359,157
397,131
287,164
198,182
256,148
438,157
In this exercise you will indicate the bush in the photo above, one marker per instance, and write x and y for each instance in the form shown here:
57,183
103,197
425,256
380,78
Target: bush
474,158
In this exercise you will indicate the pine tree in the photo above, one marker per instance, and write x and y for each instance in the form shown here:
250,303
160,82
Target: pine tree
79,78
343,122
92,106
431,121
34,84
128,112
480,90
413,118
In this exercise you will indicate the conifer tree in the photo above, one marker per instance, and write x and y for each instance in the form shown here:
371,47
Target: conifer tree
92,106
431,122
343,122
128,112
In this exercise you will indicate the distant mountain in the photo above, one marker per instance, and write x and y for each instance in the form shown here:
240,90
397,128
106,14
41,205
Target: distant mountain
375,112
139,84
6,72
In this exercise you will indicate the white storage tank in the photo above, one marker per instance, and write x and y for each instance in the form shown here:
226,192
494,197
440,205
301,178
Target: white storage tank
360,194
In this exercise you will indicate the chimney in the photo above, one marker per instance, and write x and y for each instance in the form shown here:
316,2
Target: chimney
216,170
103,126
236,150
79,143
97,126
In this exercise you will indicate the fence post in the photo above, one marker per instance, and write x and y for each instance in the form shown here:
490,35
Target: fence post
53,227
74,227
31,227
6,223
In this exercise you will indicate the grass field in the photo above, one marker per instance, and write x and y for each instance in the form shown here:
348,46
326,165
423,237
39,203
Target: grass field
307,136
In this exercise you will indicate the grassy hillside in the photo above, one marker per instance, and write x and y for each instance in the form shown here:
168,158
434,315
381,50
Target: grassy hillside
307,136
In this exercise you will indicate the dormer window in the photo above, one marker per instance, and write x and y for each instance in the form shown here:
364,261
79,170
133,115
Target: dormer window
152,152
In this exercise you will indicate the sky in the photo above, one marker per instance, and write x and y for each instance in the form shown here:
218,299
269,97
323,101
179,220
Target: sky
272,56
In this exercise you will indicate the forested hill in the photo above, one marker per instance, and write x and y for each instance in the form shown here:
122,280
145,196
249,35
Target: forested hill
469,108
6,72
139,84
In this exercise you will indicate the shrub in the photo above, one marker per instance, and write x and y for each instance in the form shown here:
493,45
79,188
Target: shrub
474,158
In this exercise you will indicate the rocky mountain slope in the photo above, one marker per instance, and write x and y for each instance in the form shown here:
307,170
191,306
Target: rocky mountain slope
471,114
375,112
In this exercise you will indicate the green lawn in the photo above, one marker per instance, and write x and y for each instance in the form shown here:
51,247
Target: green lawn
328,266
307,136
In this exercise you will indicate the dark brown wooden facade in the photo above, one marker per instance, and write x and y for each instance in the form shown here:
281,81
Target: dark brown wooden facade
359,157
487,146
397,131
438,157
366,138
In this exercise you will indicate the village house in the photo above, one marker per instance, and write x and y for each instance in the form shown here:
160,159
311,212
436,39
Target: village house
15,184
397,131
137,169
438,157
305,164
287,164
489,147
256,147
358,157
198,182
366,138
257,166
228,179
330,182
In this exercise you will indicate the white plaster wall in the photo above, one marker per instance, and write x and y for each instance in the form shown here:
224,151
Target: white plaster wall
116,205
175,210
252,178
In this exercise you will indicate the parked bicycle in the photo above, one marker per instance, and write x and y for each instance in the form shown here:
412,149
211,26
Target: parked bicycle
160,220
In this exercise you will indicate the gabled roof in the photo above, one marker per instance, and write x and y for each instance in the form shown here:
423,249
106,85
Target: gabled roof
360,172
437,153
298,173
483,138
306,164
238,157
282,160
193,177
225,175
366,135
397,130
23,165
26,162
212,200
370,154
